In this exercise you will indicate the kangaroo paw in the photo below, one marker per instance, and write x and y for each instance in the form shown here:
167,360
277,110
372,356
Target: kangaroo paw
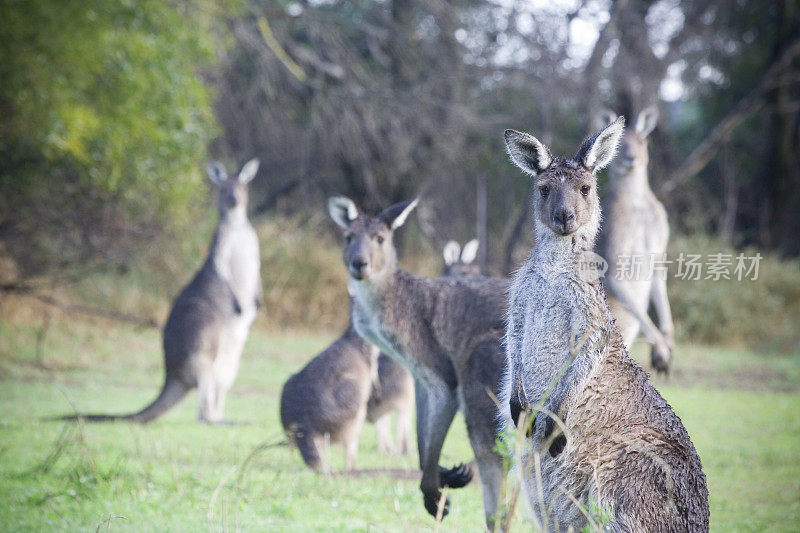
432,500
660,360
456,477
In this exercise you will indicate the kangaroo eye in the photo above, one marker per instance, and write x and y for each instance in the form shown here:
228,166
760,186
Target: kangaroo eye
544,190
380,239
585,190
348,238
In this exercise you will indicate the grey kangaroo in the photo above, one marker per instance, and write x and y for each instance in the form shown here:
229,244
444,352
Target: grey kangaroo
636,228
394,391
327,400
210,319
601,431
314,404
460,262
446,331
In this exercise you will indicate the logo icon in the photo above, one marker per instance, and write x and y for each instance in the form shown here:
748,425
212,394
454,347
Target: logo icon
591,266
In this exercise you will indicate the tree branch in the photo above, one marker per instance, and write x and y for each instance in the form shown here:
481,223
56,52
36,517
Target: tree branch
746,107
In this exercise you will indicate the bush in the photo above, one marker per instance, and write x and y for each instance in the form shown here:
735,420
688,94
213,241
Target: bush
762,314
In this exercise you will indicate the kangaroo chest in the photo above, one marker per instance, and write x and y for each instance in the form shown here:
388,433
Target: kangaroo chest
369,321
238,263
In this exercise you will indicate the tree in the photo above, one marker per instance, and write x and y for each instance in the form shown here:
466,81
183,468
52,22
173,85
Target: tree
105,122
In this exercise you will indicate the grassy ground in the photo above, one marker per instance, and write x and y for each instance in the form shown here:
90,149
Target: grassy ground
740,408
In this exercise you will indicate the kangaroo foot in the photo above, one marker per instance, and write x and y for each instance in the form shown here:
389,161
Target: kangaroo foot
432,500
660,359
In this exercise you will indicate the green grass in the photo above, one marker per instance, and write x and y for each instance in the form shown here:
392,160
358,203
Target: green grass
178,475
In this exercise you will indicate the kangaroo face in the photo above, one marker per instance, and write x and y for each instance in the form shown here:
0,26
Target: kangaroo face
232,190
368,250
565,193
566,197
232,194
632,152
368,247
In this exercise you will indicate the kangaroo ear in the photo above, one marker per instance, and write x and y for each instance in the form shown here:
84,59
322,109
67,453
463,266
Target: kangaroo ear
470,252
395,215
216,172
451,252
603,118
527,152
342,210
647,120
597,151
248,171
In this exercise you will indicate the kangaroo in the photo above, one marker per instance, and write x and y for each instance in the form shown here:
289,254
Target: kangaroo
328,398
211,317
636,229
601,432
312,404
446,331
460,262
394,391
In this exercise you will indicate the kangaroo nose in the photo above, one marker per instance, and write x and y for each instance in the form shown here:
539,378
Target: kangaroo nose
357,267
564,217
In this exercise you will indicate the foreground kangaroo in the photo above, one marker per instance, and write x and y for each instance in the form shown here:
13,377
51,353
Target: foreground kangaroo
636,229
446,331
210,319
620,445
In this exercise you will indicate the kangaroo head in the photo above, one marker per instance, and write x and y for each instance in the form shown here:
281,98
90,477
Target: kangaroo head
565,198
369,250
458,261
232,190
633,153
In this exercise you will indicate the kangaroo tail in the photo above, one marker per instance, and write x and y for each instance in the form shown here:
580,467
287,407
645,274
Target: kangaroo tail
458,476
172,392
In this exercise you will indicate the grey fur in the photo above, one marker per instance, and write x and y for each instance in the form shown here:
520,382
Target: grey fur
446,331
327,400
394,392
307,401
622,444
210,319
636,226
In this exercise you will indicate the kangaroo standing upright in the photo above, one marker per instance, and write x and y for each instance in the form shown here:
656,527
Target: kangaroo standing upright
636,230
614,442
211,317
446,331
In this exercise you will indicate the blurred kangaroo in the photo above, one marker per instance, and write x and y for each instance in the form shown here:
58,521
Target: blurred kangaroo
210,319
327,400
393,391
602,434
636,226
461,262
446,331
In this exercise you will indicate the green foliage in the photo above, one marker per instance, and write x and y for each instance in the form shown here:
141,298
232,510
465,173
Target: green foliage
105,121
